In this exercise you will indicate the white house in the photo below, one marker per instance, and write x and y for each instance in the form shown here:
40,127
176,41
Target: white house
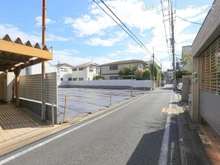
86,71
169,75
36,69
64,72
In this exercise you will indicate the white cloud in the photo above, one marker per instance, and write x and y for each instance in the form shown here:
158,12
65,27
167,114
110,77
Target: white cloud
52,37
15,32
39,21
70,57
96,41
97,21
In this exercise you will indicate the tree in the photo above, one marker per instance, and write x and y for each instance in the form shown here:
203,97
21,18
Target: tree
156,71
98,77
127,72
180,73
146,74
138,74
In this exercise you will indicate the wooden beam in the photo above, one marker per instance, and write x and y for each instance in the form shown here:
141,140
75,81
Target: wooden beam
24,50
17,79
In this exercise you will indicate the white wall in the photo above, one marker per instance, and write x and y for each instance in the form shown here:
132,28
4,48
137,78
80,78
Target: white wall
65,74
132,83
91,73
8,84
36,69
86,73
1,86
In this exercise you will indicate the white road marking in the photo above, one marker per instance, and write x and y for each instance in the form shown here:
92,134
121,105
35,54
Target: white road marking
166,136
63,134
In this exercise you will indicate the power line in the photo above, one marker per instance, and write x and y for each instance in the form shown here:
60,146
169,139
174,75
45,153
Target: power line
189,21
114,20
125,28
165,26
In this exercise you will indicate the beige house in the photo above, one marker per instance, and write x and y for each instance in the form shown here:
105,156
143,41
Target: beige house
110,71
206,70
86,71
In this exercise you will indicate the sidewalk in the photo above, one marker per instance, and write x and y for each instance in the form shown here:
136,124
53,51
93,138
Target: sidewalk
19,127
198,143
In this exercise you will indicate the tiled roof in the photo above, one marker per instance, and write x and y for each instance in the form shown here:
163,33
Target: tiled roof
86,65
124,62
64,64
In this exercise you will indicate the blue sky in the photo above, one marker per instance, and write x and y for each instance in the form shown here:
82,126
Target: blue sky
79,31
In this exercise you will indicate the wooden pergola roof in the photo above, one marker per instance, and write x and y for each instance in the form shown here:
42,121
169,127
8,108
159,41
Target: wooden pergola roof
18,54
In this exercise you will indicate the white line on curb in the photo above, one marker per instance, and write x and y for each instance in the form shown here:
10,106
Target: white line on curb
63,134
166,136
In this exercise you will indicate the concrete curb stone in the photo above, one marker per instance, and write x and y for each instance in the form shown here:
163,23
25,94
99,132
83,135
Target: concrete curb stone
191,148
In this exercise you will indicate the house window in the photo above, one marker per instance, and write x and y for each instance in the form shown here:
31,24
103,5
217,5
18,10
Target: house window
74,79
75,69
69,79
113,67
80,68
91,68
61,79
80,79
64,69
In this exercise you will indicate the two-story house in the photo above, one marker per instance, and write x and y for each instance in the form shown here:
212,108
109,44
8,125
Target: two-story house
169,76
110,71
86,71
64,72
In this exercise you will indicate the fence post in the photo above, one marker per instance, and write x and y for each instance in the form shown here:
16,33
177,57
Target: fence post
52,114
64,113
110,97
131,92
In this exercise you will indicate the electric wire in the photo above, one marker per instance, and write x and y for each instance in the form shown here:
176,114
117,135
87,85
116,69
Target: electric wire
125,28
116,22
168,52
124,25
189,21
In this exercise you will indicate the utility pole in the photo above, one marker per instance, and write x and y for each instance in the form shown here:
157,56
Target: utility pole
43,76
153,70
173,49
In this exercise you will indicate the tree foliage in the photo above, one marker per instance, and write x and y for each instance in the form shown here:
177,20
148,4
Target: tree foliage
180,73
127,72
146,74
155,70
138,74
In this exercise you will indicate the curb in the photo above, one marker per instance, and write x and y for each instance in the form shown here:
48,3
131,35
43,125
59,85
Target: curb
191,148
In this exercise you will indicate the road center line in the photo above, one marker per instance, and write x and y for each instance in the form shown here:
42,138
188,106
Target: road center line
63,134
166,136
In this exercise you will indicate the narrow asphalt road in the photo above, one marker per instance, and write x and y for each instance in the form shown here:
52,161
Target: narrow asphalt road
131,134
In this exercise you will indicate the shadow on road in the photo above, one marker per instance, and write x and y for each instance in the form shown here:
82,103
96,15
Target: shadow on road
146,151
